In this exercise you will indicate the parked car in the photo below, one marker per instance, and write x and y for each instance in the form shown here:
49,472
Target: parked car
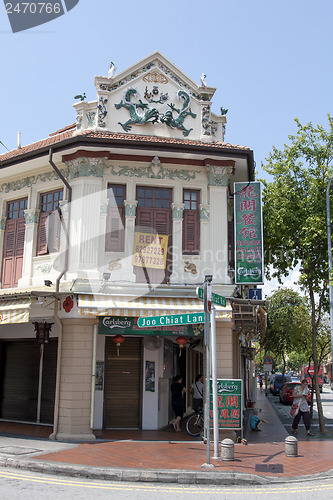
277,382
295,379
287,391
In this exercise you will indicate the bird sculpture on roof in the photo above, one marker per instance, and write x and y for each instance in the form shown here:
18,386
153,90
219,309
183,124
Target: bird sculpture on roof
80,96
112,70
202,80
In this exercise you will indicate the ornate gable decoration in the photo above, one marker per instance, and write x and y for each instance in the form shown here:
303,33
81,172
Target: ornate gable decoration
155,77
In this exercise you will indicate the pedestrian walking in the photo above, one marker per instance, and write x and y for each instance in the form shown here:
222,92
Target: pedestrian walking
197,391
177,391
300,407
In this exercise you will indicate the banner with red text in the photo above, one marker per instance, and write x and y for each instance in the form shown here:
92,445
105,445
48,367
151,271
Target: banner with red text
249,262
229,404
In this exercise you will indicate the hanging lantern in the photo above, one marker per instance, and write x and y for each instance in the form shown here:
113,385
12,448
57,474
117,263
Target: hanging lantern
118,340
42,332
181,341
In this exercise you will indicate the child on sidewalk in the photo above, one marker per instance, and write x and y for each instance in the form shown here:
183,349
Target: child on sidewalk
255,421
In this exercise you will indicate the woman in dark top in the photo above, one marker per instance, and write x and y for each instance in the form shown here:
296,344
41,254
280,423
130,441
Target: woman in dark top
177,391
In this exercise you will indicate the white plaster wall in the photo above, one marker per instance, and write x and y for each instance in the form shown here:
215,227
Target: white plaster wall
150,399
99,395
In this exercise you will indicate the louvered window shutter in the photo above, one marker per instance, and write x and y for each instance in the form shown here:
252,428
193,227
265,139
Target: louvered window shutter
191,232
42,234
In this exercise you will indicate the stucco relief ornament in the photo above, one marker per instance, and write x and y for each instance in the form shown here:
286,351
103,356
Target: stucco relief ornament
79,118
102,111
219,176
140,113
178,122
130,208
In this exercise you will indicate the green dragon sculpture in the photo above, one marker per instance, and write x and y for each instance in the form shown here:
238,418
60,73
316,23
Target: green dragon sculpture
178,122
148,115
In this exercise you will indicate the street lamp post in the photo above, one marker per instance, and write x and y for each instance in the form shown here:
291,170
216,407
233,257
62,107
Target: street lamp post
328,210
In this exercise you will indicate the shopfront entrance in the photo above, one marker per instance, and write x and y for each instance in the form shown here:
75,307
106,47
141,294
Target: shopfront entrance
20,378
122,408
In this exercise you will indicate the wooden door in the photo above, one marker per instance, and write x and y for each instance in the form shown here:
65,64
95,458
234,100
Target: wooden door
122,409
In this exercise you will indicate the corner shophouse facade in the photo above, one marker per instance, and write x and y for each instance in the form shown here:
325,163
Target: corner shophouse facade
118,216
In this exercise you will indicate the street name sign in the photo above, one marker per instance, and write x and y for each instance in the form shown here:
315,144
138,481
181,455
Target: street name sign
216,299
172,319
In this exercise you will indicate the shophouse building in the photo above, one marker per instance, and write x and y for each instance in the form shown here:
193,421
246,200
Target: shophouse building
119,216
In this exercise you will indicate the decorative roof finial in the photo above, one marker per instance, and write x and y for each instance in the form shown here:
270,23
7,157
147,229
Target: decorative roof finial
202,80
112,70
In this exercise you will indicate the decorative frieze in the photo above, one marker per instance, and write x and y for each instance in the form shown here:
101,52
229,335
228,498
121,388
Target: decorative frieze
177,210
31,216
219,176
130,208
85,167
204,212
154,172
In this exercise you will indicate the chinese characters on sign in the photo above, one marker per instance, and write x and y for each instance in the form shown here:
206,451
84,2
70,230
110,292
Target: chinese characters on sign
150,250
248,233
229,403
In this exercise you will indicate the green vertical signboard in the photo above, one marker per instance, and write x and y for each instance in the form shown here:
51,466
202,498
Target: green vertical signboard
249,262
229,404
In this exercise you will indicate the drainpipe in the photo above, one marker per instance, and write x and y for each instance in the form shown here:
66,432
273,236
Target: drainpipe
56,317
69,200
58,371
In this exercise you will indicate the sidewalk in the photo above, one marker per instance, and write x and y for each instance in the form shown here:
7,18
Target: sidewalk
173,458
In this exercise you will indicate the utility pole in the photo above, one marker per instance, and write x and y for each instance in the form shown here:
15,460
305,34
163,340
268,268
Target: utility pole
207,308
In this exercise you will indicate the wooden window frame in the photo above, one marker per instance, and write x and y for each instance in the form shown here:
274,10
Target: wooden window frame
191,222
49,229
115,239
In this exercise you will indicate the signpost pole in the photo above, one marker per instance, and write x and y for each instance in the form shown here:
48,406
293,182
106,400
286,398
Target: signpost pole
214,385
207,282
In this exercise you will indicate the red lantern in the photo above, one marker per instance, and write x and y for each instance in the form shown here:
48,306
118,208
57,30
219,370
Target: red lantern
181,341
118,340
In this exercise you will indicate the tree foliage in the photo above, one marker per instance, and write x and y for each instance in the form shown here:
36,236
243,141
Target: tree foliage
294,213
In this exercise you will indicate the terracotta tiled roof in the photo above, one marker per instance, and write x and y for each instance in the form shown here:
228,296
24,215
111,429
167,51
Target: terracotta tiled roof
68,132
30,148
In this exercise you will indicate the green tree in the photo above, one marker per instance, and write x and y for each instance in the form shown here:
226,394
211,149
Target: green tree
294,213
288,320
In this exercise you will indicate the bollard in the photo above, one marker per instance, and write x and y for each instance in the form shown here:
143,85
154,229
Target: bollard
291,444
227,449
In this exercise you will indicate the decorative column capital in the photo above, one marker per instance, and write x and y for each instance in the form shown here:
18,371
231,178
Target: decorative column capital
31,215
3,221
219,176
130,208
85,167
177,210
204,212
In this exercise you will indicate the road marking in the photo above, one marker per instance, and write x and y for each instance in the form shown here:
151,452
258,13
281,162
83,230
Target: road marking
198,489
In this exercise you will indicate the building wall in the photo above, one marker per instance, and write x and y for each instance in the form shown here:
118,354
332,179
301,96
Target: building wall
75,380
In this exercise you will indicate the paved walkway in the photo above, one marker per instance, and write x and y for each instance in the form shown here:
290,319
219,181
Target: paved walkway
175,457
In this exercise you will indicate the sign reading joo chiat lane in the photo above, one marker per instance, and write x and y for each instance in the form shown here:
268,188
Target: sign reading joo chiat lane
172,319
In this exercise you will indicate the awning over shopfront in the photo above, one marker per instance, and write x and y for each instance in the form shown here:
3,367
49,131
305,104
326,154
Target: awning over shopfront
115,305
14,311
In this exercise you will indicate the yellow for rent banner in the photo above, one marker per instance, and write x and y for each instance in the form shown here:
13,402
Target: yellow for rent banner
150,250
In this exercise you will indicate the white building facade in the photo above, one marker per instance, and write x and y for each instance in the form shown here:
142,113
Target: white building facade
116,217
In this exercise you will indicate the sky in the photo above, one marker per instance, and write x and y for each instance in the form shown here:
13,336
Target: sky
270,62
